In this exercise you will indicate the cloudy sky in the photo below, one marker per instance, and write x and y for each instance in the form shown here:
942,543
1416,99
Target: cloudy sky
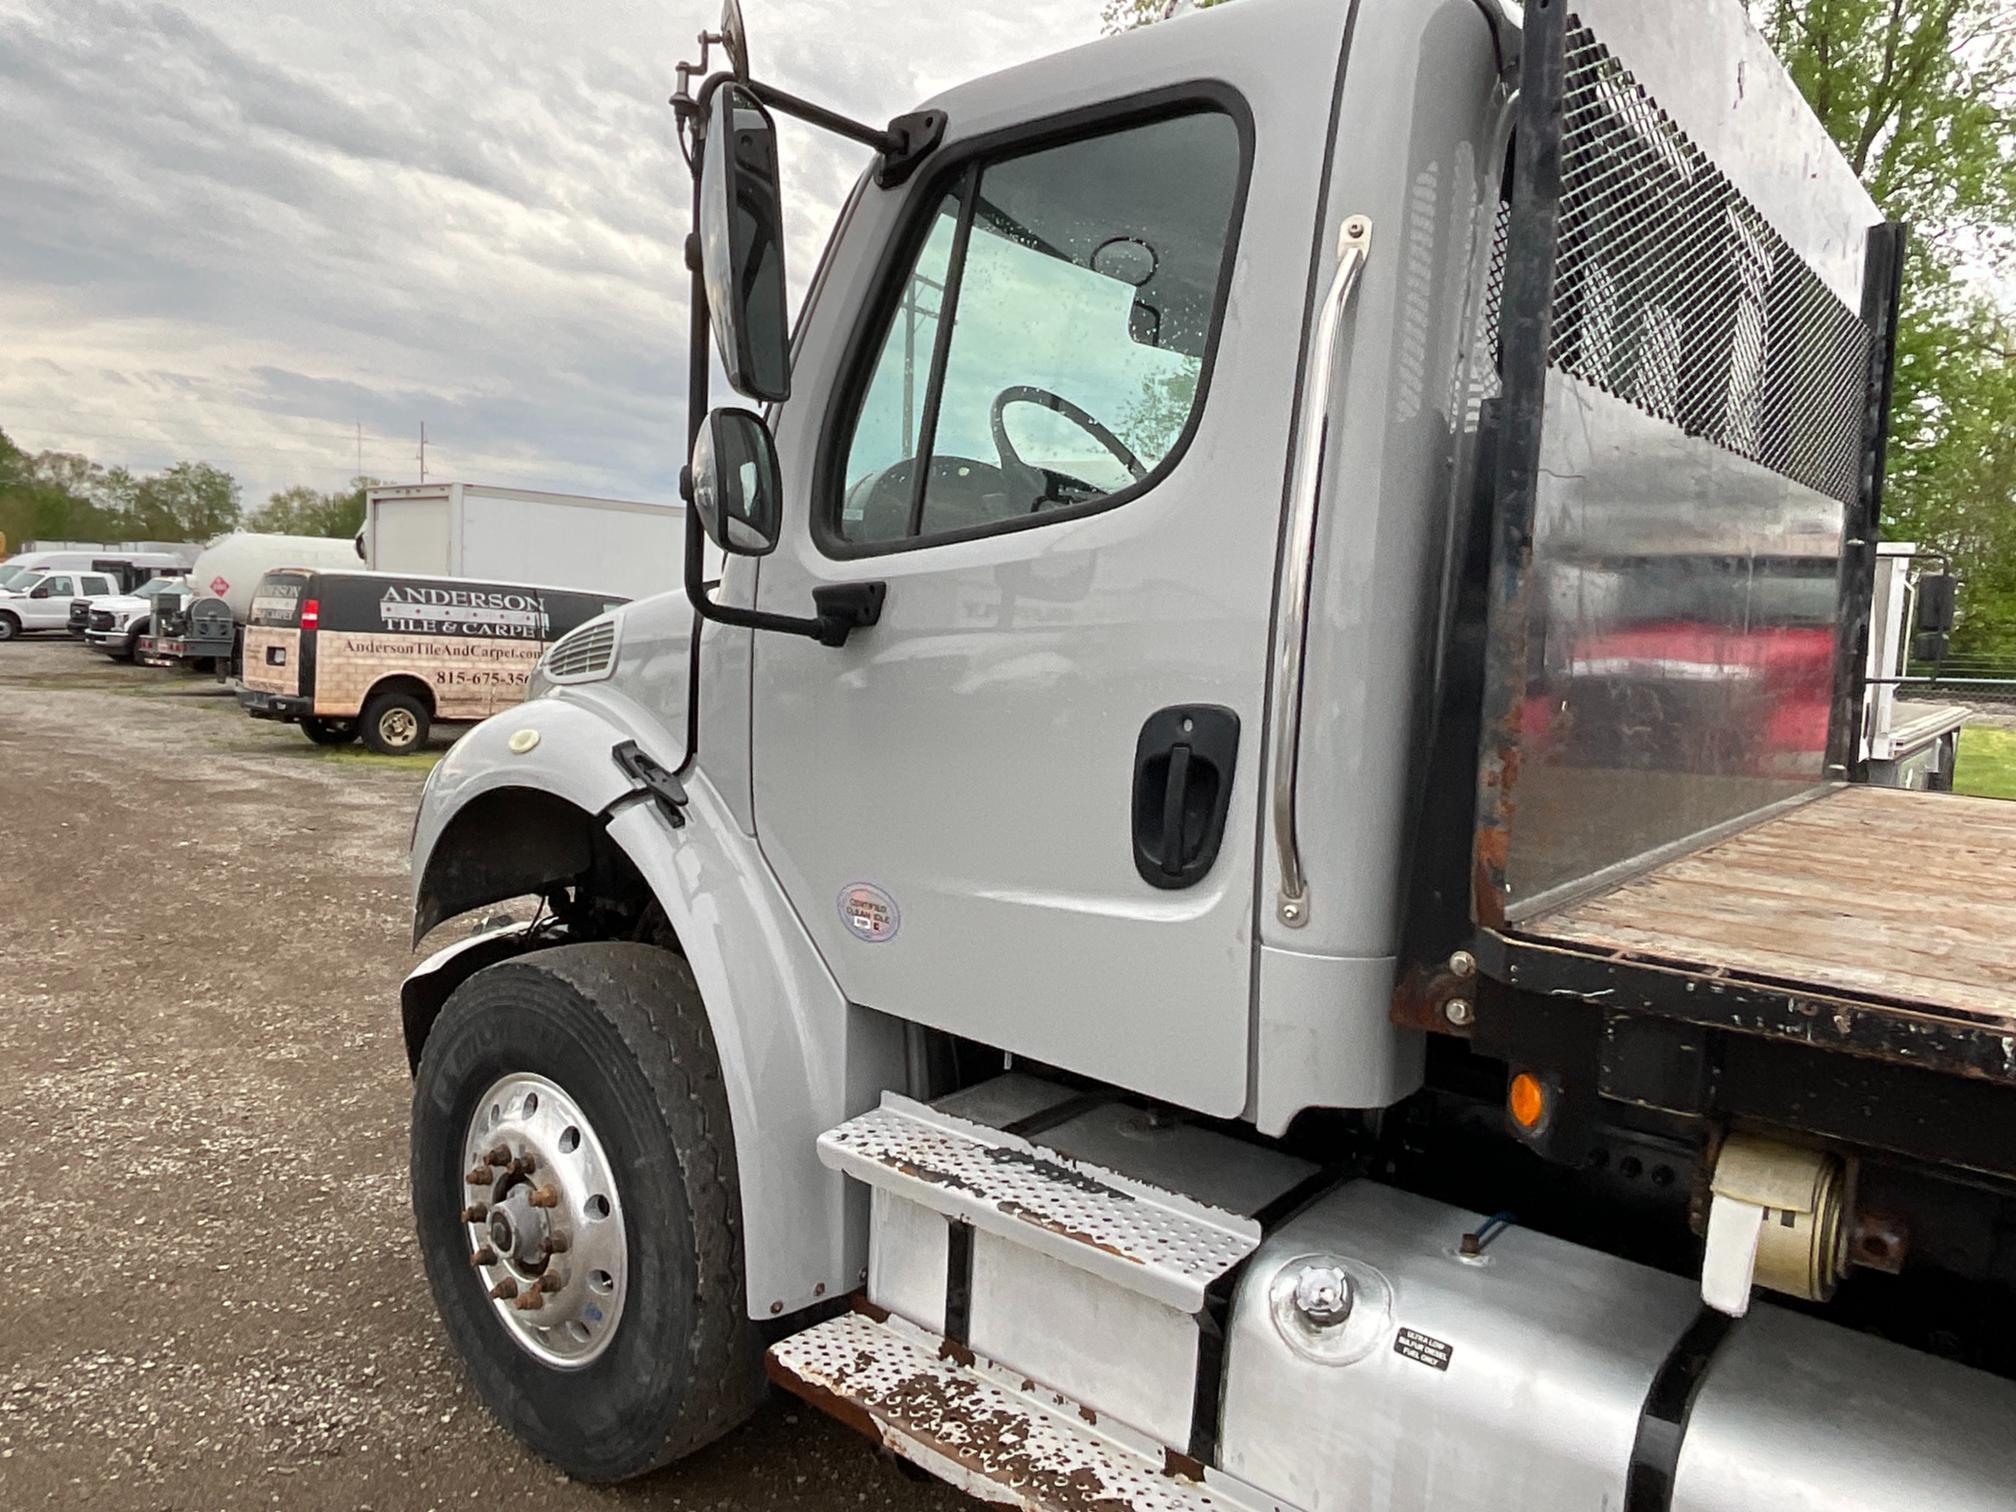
236,230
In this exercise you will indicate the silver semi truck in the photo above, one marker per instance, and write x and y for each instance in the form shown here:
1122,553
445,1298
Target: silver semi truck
1256,887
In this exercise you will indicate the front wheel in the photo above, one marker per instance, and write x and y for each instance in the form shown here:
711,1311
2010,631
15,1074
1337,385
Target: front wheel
395,723
10,625
330,732
578,1208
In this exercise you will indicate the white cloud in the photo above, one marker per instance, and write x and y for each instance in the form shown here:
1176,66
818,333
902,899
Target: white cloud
235,230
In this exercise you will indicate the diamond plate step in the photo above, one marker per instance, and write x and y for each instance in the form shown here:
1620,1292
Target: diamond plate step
977,1427
1139,1237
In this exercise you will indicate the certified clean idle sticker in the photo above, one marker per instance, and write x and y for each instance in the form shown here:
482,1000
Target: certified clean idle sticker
869,913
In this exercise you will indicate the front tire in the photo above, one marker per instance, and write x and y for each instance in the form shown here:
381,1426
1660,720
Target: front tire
10,626
618,1033
395,723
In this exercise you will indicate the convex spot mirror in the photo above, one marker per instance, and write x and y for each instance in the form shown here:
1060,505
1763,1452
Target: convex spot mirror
742,244
733,482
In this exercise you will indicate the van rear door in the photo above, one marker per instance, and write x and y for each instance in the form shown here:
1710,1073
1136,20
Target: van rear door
276,640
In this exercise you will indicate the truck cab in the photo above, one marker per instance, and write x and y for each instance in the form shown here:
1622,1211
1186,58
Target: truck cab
1100,931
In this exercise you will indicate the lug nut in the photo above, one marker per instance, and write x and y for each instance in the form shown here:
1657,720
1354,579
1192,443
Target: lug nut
530,1301
526,1164
476,1212
552,1281
478,1176
484,1256
545,1197
557,1242
504,1290
500,1156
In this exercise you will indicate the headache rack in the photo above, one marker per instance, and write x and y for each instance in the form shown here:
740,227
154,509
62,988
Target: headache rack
1692,328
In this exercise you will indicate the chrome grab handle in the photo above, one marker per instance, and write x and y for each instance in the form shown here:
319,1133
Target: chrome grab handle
1312,434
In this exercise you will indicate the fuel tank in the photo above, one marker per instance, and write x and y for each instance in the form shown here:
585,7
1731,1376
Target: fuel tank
1520,1376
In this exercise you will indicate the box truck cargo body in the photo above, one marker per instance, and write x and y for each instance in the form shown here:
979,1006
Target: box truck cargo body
620,547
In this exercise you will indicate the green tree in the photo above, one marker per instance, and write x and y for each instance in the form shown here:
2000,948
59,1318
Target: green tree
306,511
191,501
1125,15
1920,95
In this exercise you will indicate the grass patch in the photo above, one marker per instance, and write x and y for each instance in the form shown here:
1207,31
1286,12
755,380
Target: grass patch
1987,764
357,755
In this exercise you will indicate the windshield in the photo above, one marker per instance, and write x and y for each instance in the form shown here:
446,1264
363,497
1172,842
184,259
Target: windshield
10,575
158,585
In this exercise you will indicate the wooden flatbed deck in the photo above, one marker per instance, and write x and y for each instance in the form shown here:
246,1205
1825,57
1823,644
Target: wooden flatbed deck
1879,920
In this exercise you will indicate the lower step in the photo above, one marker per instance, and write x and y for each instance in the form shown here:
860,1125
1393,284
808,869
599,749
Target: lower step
989,1432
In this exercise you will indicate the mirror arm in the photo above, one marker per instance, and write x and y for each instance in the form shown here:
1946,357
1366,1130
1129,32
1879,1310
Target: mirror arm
843,607
902,145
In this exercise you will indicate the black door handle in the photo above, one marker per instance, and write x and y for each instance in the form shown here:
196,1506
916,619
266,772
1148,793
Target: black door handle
1183,763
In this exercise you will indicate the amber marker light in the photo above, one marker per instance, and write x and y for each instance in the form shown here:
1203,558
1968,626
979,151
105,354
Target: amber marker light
1526,1100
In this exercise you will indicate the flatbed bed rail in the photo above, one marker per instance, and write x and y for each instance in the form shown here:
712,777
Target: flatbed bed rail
1872,921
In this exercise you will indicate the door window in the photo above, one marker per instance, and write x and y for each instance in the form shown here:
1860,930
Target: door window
1048,351
59,587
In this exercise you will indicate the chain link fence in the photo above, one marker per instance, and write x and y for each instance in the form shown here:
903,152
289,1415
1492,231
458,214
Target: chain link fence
1984,683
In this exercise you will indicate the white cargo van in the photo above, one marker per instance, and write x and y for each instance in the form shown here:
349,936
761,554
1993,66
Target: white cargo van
134,564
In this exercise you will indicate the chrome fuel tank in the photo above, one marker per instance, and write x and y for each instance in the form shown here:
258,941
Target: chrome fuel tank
1800,1415
1518,1378
1511,1380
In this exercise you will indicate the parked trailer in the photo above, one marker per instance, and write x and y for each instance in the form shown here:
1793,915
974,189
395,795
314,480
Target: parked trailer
474,530
1909,743
1270,900
205,622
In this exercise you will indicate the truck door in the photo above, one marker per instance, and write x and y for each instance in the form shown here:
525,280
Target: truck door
1045,395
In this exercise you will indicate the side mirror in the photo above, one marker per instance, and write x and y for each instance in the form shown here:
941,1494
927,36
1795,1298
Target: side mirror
733,482
40,590
1938,596
742,243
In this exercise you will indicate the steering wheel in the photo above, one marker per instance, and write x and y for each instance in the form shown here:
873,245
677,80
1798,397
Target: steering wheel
1024,393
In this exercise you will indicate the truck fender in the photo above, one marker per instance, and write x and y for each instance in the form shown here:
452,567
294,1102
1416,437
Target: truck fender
796,1057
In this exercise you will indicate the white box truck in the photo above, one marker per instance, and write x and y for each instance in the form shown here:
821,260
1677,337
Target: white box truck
619,547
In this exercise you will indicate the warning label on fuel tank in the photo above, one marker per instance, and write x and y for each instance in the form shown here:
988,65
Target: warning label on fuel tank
1423,1350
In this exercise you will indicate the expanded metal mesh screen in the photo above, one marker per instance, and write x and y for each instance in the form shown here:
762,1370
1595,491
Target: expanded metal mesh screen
1673,292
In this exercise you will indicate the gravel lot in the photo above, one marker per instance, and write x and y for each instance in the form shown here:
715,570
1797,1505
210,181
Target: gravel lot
214,1298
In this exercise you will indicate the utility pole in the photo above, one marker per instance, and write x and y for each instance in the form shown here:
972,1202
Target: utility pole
423,451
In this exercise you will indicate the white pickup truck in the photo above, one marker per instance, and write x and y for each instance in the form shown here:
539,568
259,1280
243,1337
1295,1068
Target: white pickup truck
42,602
114,623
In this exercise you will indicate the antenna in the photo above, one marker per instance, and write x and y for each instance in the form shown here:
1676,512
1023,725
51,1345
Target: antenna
360,448
422,454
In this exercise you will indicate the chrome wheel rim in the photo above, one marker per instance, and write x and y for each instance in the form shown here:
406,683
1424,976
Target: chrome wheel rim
398,726
544,1221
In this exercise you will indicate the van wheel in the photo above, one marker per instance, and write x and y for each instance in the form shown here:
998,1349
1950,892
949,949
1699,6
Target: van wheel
395,723
330,732
10,626
580,1088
